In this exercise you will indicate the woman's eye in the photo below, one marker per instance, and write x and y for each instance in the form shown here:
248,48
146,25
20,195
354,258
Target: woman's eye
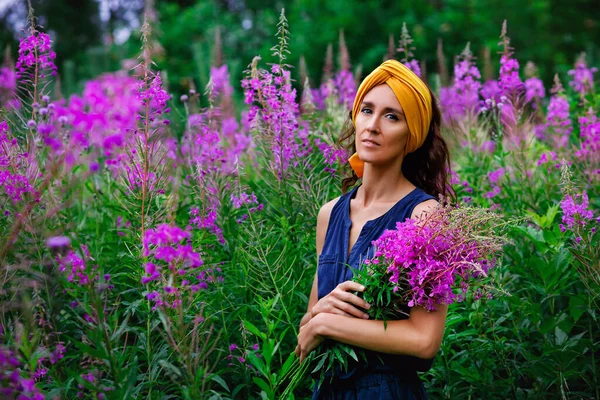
366,110
392,117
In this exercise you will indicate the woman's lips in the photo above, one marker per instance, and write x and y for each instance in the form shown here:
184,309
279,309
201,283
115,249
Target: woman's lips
369,143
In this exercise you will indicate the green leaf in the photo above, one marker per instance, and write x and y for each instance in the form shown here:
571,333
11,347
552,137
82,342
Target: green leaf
88,349
462,333
167,365
289,362
221,382
258,364
560,336
261,383
351,352
326,355
577,305
237,389
549,237
268,350
454,319
116,334
339,356
132,375
253,329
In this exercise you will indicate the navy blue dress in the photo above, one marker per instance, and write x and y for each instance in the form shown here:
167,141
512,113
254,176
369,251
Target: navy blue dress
383,376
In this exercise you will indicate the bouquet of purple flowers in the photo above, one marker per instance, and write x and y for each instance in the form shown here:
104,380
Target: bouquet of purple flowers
441,258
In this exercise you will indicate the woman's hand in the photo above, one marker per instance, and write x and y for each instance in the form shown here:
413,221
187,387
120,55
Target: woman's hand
340,301
308,338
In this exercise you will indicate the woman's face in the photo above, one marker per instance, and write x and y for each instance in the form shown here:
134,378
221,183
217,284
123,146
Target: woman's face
381,128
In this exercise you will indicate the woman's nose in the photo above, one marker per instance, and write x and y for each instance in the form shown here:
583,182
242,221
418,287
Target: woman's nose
373,124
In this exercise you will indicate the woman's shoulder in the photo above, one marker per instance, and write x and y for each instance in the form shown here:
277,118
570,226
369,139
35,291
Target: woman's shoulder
325,211
423,208
323,222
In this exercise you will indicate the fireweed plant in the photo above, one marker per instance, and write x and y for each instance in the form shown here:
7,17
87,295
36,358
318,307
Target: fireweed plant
151,247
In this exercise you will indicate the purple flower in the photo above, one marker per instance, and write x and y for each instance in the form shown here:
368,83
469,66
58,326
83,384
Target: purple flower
274,109
163,245
335,157
488,146
490,90
493,193
534,89
575,211
414,66
558,120
58,242
15,186
208,221
509,81
14,380
34,50
58,354
8,80
154,95
425,262
583,77
345,87
589,150
544,158
77,268
463,97
220,80
152,272
244,199
494,176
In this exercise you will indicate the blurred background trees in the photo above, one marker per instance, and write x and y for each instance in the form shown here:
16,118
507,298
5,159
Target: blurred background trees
93,36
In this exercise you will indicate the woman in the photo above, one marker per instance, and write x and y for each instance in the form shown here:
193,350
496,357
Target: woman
403,162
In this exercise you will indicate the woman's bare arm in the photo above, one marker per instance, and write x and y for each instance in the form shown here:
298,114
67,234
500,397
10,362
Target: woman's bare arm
322,224
420,335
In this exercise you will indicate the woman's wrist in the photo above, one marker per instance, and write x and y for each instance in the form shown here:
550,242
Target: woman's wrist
319,324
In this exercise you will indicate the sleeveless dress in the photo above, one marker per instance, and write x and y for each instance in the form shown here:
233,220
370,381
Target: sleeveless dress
383,376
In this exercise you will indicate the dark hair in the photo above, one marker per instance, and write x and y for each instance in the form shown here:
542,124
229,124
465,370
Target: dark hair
427,167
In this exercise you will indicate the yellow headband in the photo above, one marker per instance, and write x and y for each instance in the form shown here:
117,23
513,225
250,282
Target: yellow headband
412,94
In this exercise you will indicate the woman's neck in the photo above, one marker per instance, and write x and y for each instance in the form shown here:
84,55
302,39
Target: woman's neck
382,187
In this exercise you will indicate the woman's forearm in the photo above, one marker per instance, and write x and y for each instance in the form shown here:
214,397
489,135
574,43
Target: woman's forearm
420,337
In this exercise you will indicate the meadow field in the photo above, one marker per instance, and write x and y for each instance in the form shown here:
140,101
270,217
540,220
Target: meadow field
163,247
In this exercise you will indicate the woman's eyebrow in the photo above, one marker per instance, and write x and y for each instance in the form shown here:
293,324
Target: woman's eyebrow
369,104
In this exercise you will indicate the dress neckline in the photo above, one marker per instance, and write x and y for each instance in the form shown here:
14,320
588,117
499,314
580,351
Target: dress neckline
370,223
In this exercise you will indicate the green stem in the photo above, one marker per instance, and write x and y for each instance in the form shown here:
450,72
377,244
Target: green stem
97,302
148,344
593,352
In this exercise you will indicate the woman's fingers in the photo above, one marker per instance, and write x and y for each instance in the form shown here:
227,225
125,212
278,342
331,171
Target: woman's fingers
353,299
335,305
351,285
340,301
339,311
350,309
342,292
